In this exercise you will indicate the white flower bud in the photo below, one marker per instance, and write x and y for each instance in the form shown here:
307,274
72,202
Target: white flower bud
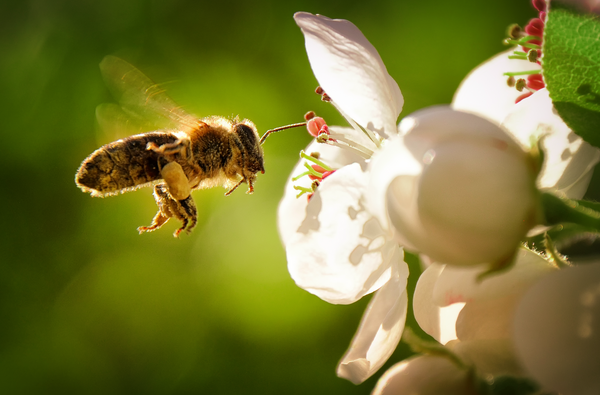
557,330
425,375
468,195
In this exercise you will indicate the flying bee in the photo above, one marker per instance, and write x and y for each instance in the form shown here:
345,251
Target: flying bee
188,154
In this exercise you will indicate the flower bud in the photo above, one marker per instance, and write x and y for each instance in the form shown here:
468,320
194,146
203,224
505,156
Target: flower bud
425,375
557,330
473,198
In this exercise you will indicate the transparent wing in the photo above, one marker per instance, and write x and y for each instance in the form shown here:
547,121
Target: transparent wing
116,122
145,103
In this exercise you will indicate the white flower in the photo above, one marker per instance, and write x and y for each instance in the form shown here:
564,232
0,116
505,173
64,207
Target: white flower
557,330
429,185
483,328
336,249
568,160
484,90
474,317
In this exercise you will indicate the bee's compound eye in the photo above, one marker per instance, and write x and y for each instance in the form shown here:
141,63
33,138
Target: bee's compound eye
247,135
251,142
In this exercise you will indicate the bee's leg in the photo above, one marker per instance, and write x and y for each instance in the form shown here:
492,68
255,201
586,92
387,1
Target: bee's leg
234,187
187,214
179,146
164,212
181,202
250,190
245,178
184,210
159,220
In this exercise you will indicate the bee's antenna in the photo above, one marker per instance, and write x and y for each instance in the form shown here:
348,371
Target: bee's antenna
268,132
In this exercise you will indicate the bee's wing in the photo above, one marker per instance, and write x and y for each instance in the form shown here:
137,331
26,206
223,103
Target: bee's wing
116,122
141,99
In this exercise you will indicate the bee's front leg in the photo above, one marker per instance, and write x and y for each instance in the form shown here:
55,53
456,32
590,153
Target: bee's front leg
184,210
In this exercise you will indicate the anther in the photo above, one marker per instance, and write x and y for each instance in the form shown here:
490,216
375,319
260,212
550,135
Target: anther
319,91
510,81
521,84
315,155
514,31
535,27
532,55
309,115
535,81
323,138
315,126
539,5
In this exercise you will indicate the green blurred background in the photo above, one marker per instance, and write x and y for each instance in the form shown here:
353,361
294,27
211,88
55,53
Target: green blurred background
88,306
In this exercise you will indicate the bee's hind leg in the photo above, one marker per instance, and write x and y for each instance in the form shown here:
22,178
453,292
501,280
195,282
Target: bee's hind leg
184,210
188,214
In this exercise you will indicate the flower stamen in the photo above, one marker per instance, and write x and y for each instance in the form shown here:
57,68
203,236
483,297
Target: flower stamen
530,39
370,134
317,172
302,190
315,160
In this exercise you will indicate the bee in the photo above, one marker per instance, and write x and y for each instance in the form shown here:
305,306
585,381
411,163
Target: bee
189,154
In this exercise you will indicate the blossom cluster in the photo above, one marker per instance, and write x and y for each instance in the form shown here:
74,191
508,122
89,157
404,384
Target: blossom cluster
461,186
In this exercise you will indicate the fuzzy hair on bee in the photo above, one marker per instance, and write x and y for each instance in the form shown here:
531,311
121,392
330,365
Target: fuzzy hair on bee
190,154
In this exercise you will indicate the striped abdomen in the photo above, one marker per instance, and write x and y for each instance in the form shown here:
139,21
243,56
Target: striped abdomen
122,165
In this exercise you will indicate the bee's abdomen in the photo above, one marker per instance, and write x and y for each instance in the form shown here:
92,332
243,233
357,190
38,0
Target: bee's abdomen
122,165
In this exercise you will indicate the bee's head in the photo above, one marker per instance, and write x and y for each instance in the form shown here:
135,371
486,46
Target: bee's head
246,132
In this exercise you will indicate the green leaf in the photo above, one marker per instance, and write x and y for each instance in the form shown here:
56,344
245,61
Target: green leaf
571,68
560,210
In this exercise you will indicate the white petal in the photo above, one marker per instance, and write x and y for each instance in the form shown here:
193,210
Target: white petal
568,161
484,91
351,72
292,211
393,160
380,329
340,252
425,375
350,134
488,319
557,330
461,284
437,321
489,356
